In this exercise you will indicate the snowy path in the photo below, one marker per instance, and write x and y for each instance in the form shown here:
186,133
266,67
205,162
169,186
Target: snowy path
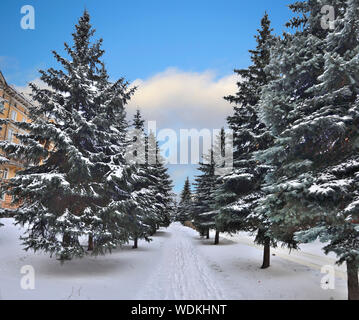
177,264
183,274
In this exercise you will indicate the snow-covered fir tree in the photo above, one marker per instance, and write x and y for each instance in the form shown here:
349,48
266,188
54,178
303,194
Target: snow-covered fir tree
141,206
207,201
149,206
312,108
136,149
220,158
173,208
184,208
72,148
203,202
240,190
162,183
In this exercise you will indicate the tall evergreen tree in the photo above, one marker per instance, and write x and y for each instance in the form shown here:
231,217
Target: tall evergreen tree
203,203
150,187
64,193
240,190
138,122
136,153
162,184
141,206
221,159
313,111
209,198
185,204
173,208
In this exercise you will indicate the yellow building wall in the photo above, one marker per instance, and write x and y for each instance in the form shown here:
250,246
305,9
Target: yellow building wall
10,105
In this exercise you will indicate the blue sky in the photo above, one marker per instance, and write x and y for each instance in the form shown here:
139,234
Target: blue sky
144,39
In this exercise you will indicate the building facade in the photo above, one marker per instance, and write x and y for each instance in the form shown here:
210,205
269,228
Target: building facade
14,107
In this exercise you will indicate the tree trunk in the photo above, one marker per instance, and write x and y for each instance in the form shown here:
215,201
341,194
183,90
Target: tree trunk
135,243
353,286
207,235
90,243
266,254
66,239
216,238
153,231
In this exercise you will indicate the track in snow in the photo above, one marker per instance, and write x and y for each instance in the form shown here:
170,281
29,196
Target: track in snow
176,265
182,273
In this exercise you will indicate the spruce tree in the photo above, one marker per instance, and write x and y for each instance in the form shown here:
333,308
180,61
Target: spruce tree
240,191
136,151
138,122
185,204
313,111
203,203
220,159
149,207
173,208
141,207
64,193
208,200
162,184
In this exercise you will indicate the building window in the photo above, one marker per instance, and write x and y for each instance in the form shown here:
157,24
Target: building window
5,174
10,135
13,115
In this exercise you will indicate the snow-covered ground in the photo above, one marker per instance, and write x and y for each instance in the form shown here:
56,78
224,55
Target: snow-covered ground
177,264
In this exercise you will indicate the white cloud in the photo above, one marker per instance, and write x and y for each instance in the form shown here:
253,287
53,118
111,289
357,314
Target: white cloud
179,99
26,90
